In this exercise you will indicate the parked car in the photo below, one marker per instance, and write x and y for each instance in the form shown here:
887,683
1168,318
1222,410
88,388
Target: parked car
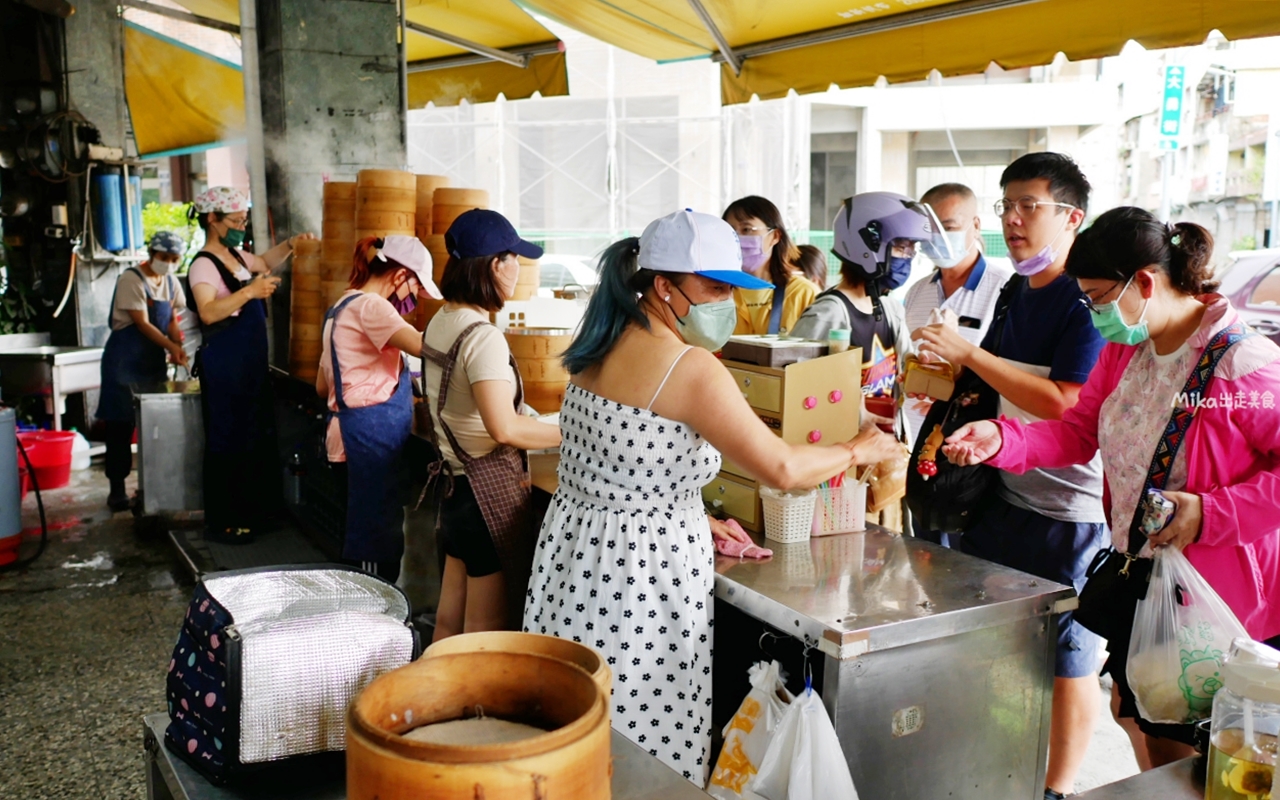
557,271
1251,281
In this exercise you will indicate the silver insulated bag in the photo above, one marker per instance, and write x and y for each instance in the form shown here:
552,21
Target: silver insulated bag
268,660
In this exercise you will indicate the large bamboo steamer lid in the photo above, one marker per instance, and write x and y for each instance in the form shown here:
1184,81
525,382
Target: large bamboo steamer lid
339,192
570,761
545,398
514,642
471,198
442,216
538,342
385,179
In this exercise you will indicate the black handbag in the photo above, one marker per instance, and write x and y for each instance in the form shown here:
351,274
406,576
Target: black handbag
952,499
1116,580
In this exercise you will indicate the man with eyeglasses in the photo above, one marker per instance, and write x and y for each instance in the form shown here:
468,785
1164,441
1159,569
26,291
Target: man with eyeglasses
1048,522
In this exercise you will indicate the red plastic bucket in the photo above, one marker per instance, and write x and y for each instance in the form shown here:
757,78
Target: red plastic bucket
51,457
24,477
9,549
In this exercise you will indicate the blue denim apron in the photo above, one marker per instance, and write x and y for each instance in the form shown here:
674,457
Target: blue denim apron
130,357
374,438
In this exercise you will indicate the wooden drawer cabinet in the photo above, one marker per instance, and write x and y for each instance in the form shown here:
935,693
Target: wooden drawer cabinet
736,497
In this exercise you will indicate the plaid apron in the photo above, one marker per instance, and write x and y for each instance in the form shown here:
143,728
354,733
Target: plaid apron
500,481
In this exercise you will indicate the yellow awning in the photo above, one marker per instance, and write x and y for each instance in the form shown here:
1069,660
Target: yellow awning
901,39
444,73
180,99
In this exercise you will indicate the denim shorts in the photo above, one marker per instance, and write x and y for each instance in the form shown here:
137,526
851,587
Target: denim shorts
1050,549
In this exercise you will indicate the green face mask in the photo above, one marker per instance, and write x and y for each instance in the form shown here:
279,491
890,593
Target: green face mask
708,325
1112,327
234,237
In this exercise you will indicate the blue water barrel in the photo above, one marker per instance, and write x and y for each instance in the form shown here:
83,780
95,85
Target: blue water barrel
134,214
107,205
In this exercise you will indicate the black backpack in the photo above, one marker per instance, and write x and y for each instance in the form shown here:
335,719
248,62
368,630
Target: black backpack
952,499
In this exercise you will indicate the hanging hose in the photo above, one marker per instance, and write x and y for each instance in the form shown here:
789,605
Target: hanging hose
44,525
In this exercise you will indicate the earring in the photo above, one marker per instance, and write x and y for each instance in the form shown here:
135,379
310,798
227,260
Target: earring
667,298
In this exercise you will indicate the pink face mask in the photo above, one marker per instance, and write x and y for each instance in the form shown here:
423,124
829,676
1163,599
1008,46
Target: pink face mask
754,256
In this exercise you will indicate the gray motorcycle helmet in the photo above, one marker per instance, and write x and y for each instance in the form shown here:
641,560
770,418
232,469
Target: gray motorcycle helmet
867,224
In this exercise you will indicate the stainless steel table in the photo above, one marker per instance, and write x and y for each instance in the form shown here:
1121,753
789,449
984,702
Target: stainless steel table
936,668
1176,781
52,371
636,776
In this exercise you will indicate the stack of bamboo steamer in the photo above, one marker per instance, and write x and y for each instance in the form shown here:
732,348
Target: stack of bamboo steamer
567,758
449,204
537,352
338,239
306,312
527,280
433,240
426,191
386,203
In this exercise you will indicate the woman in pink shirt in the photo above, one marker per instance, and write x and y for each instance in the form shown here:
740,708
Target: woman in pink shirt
364,378
1150,290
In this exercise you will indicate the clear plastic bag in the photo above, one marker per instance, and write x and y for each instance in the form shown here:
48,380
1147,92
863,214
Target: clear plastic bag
804,760
746,737
1181,633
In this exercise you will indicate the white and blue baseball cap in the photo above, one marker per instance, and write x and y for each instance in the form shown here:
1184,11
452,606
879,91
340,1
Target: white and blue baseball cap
701,244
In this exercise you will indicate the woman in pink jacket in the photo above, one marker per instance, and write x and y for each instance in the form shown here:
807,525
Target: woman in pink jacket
1148,286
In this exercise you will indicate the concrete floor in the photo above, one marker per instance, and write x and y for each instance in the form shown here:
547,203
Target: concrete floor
85,636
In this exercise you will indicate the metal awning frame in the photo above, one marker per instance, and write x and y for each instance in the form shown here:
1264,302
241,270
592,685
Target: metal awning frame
519,57
853,30
183,16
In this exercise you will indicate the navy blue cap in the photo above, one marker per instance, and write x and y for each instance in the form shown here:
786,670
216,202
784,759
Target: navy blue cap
167,242
481,232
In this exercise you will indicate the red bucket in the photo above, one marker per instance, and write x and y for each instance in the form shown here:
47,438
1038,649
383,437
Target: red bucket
24,477
9,549
51,456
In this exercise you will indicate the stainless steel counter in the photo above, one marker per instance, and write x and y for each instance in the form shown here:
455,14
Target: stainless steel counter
52,371
170,446
1176,781
636,776
937,668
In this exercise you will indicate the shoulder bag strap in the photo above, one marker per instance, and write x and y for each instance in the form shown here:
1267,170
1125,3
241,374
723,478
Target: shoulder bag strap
1180,420
1003,302
775,309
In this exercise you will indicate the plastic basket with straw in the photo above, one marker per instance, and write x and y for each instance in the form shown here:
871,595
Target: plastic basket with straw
840,507
788,516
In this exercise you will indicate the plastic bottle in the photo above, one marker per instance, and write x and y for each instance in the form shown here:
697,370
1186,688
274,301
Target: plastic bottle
80,451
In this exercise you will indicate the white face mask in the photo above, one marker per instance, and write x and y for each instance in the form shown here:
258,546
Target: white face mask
160,267
959,248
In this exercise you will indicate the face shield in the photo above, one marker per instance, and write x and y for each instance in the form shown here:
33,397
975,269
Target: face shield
936,244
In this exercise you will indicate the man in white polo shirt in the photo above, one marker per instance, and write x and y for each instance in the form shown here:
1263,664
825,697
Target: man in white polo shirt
969,286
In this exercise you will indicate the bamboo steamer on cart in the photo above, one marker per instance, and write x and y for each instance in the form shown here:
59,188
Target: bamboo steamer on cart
537,352
537,643
390,757
306,310
386,203
426,189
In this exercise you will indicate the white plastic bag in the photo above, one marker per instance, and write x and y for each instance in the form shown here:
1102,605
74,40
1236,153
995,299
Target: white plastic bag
804,760
746,737
1181,633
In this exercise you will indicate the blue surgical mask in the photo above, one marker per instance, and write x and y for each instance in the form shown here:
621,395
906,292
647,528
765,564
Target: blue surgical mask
1111,325
959,249
1041,260
899,272
708,325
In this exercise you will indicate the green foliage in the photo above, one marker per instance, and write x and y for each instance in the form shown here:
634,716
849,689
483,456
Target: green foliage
173,217
17,315
1245,243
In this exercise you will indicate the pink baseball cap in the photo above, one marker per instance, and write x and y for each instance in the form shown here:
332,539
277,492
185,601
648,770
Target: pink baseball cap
412,254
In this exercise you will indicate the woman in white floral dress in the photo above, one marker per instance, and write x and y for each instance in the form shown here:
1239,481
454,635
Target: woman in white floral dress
625,559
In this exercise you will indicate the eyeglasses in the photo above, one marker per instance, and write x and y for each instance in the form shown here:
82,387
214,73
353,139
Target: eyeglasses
1025,206
236,221
1092,304
753,230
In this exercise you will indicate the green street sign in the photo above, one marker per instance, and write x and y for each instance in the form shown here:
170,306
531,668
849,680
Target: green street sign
1171,109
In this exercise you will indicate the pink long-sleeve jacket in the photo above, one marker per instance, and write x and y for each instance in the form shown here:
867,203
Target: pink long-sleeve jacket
1233,463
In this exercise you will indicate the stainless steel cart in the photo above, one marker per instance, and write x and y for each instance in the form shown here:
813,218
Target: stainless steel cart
52,371
936,668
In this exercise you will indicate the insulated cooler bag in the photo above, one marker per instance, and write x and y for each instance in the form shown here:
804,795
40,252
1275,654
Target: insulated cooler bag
268,660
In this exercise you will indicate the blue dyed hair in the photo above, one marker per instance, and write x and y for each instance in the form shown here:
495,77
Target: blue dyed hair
614,305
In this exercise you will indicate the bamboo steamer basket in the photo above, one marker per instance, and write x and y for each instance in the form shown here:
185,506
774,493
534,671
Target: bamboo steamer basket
305,350
542,370
428,307
427,185
529,274
383,223
571,761
540,644
524,292
330,291
471,198
545,398
307,251
306,331
538,343
439,255
442,216
337,193
386,190
307,301
306,282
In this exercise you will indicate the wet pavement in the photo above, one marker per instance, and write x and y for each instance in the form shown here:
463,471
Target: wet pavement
85,636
